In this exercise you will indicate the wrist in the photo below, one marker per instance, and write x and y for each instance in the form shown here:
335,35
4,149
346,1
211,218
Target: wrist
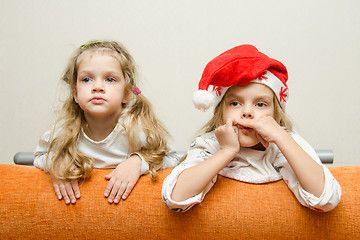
135,158
282,138
228,152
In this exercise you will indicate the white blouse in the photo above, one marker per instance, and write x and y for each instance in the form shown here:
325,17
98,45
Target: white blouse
107,153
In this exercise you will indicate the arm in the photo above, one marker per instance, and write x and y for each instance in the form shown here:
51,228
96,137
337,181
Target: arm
40,152
194,180
331,195
310,181
309,173
201,149
67,190
64,189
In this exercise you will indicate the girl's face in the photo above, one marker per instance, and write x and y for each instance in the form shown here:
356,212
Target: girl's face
251,101
100,85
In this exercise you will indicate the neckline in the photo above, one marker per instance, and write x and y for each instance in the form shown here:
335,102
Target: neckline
105,140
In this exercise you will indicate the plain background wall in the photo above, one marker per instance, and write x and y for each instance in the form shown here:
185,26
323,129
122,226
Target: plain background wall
171,41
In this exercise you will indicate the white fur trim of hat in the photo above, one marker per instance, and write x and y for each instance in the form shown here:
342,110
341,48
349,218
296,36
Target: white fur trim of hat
204,99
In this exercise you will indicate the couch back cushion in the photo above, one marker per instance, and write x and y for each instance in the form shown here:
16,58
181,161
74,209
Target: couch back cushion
231,210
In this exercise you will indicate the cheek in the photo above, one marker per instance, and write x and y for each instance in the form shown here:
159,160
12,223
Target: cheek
80,95
225,117
271,114
229,113
126,96
268,112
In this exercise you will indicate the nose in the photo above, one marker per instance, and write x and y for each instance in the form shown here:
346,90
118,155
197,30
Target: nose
247,113
98,86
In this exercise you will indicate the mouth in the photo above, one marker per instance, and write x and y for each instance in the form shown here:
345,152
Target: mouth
245,130
97,100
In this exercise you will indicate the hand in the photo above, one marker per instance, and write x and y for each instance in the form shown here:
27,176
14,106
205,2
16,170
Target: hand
227,135
123,179
67,190
267,130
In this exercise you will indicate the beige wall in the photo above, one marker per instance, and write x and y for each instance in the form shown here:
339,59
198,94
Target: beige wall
318,40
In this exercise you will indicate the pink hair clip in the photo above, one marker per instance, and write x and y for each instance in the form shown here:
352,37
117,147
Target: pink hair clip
137,90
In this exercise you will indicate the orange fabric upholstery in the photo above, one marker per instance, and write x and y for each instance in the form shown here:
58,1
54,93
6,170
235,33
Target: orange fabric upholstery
231,210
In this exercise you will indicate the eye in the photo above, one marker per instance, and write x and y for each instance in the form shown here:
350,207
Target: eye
110,79
261,104
234,103
86,79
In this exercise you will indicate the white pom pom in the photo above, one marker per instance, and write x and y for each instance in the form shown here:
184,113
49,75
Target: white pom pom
203,100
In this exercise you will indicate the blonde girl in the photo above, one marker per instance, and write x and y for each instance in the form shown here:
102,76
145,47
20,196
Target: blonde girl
249,137
105,123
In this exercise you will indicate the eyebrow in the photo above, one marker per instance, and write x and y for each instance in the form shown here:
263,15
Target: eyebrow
86,72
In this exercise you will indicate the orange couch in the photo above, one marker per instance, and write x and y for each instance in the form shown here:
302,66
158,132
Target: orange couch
231,210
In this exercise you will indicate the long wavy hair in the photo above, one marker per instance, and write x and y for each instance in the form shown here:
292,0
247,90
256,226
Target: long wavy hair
66,162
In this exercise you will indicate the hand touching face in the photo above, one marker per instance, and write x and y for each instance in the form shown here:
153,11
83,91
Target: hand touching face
246,106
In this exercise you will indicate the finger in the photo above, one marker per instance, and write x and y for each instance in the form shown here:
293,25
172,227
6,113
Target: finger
128,190
108,188
236,129
120,192
109,175
70,192
75,187
229,122
64,193
57,191
113,192
245,123
235,122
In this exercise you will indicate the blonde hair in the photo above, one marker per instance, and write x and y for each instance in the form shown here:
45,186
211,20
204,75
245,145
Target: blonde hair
65,154
217,119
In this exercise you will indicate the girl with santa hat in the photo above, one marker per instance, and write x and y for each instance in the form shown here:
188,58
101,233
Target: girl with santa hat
249,137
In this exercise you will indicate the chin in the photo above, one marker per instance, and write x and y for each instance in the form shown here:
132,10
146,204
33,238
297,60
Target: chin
248,141
252,145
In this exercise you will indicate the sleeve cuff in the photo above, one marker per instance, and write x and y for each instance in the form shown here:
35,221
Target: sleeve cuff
329,198
168,186
40,161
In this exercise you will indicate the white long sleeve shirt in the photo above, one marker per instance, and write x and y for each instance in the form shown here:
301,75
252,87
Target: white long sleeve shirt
253,166
107,153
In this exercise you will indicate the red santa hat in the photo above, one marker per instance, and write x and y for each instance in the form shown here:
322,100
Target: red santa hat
239,66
